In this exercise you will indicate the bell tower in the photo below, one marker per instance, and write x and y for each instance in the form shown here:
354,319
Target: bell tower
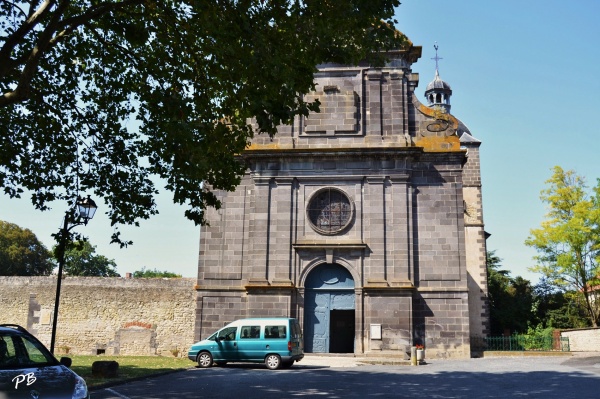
438,92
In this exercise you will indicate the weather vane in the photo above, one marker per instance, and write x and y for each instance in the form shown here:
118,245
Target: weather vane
436,58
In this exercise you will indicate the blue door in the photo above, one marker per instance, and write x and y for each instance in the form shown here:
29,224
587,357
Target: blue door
329,288
316,322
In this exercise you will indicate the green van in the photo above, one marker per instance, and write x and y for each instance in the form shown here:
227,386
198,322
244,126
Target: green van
275,341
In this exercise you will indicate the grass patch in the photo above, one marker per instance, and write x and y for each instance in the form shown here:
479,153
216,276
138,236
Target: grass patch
129,367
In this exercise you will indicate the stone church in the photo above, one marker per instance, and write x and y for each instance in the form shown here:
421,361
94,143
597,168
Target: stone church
363,221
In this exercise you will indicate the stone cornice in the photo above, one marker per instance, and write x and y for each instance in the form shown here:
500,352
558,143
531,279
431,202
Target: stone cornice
329,244
383,284
268,287
199,287
442,290
358,152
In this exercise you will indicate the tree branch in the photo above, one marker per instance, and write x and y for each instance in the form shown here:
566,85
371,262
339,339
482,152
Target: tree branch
18,35
98,10
46,40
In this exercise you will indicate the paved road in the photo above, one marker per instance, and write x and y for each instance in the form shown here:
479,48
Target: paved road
338,377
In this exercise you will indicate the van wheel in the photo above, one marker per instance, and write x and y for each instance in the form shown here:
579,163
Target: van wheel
205,360
273,361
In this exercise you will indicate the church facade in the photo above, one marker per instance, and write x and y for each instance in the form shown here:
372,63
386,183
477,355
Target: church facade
363,221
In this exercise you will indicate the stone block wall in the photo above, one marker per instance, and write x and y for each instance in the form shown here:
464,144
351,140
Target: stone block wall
393,312
215,310
104,315
472,168
442,324
583,340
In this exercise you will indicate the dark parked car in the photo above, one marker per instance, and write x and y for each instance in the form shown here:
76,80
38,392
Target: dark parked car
29,370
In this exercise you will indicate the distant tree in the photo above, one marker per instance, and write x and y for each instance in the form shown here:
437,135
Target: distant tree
521,293
498,282
81,260
510,299
556,308
21,253
153,273
568,241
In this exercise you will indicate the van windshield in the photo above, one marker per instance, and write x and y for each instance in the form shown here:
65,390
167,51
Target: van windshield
228,334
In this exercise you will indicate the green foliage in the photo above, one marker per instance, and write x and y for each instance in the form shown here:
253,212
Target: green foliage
538,339
21,253
81,260
517,307
568,241
103,97
510,299
153,273
556,308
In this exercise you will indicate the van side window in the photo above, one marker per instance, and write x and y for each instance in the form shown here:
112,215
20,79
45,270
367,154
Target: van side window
250,332
228,334
275,332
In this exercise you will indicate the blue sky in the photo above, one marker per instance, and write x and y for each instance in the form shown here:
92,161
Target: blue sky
524,76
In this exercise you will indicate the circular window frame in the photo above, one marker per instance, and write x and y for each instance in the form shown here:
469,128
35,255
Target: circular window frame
310,207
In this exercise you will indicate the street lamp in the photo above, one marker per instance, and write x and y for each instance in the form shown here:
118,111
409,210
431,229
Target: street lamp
86,208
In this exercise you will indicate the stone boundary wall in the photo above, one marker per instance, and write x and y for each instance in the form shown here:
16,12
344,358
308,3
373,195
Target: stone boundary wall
105,315
583,339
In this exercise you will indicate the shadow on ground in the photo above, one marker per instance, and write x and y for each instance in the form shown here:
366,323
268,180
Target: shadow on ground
255,381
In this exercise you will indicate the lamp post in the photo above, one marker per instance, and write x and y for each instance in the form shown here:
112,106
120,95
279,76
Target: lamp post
86,208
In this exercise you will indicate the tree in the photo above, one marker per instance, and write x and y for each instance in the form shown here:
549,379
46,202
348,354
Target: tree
21,253
147,273
498,282
556,308
102,97
568,241
81,260
510,299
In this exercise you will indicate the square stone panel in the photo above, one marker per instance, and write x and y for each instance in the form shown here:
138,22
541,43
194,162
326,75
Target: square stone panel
339,113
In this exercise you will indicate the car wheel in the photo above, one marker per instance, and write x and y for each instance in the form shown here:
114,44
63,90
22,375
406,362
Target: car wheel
273,361
205,359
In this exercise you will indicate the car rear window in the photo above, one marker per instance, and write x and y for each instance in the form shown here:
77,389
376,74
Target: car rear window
296,331
275,332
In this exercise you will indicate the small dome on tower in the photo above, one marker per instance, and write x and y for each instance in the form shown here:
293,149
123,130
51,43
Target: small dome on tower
438,83
438,92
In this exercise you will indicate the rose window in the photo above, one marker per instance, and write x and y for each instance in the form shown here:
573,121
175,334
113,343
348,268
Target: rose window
329,211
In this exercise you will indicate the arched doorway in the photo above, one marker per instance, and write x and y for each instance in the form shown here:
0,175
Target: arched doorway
329,310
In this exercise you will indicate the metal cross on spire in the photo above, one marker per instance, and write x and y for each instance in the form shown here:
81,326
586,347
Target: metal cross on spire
436,58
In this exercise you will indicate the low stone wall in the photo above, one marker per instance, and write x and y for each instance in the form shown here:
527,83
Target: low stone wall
112,315
583,339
